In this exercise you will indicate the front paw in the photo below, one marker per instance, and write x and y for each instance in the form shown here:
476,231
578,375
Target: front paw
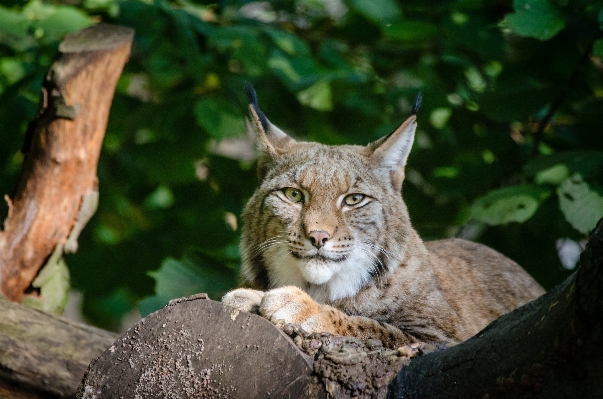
244,299
292,305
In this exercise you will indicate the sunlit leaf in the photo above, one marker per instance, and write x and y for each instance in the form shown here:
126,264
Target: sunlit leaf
53,283
581,203
317,96
553,175
509,204
439,117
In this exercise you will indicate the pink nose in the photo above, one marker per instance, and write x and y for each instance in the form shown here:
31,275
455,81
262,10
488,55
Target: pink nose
318,238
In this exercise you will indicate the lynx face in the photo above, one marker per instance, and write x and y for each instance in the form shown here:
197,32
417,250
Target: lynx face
318,219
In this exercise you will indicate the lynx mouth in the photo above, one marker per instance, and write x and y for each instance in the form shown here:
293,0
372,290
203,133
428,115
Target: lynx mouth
320,258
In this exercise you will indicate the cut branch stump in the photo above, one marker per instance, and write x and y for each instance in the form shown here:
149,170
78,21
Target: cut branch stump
62,149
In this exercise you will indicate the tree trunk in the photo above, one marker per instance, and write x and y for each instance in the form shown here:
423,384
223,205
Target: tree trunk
56,193
551,347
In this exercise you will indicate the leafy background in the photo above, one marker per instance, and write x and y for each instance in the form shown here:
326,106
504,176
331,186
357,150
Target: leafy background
509,150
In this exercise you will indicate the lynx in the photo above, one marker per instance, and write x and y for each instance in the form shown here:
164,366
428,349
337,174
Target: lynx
327,243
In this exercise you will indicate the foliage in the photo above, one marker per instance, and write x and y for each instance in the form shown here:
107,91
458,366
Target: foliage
508,150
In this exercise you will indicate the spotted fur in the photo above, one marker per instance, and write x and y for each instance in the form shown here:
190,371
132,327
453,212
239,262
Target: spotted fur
360,269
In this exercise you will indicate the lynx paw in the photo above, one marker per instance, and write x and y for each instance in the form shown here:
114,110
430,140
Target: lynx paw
244,299
292,305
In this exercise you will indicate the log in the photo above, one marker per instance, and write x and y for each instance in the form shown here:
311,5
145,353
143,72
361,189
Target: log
199,348
551,347
57,189
44,356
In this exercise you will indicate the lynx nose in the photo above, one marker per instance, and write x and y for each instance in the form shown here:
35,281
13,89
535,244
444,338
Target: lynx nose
318,238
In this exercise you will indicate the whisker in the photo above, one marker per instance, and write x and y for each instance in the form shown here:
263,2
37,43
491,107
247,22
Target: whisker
265,245
379,248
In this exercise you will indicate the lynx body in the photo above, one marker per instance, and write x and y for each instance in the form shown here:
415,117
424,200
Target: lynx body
327,243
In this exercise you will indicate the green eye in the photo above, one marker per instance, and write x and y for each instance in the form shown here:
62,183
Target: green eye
293,194
353,199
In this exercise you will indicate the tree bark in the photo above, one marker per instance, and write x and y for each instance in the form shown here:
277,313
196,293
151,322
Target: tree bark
55,195
551,347
43,356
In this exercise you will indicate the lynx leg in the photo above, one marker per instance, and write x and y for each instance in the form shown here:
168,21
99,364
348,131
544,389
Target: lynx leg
292,305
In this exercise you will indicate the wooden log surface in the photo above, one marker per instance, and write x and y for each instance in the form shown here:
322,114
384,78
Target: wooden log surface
44,356
199,348
55,195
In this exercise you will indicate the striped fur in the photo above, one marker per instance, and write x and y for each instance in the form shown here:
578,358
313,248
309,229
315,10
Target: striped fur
372,275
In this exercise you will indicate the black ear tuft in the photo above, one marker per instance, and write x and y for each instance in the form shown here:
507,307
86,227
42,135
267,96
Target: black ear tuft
416,105
253,99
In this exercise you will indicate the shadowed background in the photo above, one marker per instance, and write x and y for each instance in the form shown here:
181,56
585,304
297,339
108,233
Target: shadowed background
508,151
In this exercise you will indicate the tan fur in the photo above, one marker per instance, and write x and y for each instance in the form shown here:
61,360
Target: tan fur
374,277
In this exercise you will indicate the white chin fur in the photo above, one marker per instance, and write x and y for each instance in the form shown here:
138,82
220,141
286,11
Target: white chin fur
323,281
317,272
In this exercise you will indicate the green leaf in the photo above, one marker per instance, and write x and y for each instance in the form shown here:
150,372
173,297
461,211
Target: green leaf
317,96
549,168
195,273
553,175
282,66
380,11
411,31
289,43
12,68
439,117
535,18
509,204
581,204
598,48
218,118
161,198
53,281
14,30
53,22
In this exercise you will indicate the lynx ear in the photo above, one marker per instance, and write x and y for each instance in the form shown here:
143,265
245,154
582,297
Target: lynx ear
272,141
390,153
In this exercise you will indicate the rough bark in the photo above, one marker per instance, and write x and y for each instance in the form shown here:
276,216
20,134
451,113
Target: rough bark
551,347
56,191
43,356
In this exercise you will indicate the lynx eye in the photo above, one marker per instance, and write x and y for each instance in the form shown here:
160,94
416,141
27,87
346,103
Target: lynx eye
293,194
353,199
